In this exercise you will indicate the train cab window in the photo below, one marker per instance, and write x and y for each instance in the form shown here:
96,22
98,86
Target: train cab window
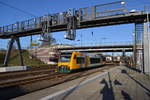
65,58
80,60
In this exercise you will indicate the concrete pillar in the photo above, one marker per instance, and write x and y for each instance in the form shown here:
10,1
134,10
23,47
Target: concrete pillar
142,41
138,47
146,47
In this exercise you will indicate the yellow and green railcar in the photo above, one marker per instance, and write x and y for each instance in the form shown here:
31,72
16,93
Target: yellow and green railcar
74,61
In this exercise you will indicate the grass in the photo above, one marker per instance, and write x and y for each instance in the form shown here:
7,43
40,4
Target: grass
15,61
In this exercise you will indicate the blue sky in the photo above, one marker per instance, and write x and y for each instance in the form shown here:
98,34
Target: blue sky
42,7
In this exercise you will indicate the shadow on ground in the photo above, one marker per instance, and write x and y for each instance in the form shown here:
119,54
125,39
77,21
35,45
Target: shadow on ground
125,95
108,92
10,92
138,82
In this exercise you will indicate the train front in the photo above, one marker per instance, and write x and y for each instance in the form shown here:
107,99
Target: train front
64,63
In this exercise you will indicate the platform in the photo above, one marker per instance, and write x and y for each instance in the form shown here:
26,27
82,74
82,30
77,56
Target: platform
119,83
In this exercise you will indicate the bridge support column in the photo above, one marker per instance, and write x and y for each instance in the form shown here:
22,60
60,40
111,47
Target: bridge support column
138,47
142,47
8,53
20,52
146,50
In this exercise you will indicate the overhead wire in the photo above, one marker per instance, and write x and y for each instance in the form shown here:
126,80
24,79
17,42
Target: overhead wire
18,9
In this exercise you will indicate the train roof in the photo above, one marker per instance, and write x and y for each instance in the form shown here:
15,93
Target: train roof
91,55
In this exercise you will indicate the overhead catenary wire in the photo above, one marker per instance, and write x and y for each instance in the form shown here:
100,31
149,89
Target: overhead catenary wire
18,9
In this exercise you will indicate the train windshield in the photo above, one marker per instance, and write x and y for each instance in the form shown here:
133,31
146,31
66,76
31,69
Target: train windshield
65,58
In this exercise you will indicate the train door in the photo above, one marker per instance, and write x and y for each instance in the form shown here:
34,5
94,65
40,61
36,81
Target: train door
81,61
86,61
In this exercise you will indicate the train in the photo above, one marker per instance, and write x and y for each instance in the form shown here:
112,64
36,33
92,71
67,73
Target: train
74,61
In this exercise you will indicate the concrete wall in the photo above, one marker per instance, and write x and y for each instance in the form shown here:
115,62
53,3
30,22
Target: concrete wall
13,68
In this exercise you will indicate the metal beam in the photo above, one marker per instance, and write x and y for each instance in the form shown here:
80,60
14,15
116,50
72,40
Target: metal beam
95,47
124,18
99,50
20,52
8,51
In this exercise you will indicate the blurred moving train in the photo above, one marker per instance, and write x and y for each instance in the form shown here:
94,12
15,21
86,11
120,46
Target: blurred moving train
73,61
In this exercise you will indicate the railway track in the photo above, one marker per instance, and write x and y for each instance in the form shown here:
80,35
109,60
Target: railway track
26,80
23,73
40,75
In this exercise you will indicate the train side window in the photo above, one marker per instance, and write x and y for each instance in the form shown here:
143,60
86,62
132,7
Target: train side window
94,60
80,60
